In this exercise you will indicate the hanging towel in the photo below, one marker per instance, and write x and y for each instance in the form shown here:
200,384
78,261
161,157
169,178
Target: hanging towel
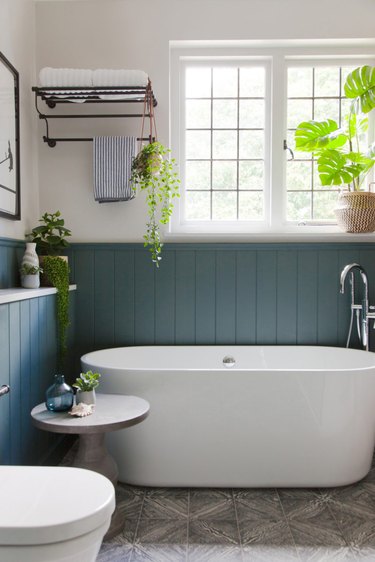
113,157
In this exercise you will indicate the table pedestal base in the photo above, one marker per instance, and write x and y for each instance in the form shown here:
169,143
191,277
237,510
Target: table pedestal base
93,454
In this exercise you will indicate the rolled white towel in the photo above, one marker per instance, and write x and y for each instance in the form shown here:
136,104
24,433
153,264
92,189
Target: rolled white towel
61,77
111,77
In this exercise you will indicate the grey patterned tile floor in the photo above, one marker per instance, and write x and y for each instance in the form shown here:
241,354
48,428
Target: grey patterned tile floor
245,525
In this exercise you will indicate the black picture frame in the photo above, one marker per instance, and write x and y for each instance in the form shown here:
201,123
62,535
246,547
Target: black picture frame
10,189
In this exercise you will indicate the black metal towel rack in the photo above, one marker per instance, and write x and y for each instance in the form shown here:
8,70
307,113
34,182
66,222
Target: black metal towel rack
53,96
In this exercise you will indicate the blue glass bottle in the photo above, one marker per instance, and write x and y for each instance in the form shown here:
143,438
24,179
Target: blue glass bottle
59,396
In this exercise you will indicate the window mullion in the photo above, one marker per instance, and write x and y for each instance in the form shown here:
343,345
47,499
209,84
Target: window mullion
277,104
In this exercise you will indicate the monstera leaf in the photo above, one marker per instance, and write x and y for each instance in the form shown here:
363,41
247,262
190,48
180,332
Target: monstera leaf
336,168
360,87
312,136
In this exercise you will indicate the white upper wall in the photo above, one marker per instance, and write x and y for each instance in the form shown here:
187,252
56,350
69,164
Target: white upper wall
17,44
135,34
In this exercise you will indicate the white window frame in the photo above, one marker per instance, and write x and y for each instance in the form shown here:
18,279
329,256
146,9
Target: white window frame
277,56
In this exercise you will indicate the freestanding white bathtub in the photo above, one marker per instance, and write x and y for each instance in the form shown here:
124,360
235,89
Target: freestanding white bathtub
280,416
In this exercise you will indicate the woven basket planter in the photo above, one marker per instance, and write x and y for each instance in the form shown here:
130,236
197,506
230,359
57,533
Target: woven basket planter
355,211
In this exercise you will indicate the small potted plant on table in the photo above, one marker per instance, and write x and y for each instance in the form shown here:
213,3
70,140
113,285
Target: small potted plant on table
86,384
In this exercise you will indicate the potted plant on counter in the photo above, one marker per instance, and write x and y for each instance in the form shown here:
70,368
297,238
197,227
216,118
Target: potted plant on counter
30,276
343,155
86,384
50,239
154,173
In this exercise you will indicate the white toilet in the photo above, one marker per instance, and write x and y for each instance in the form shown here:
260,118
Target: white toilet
53,514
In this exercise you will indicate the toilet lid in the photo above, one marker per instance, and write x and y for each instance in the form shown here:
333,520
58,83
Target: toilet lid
41,505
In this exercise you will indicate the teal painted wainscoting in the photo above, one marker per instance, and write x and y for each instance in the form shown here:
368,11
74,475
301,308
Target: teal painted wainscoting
28,362
213,294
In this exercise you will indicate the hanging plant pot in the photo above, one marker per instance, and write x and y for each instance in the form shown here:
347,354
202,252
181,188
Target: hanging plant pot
355,211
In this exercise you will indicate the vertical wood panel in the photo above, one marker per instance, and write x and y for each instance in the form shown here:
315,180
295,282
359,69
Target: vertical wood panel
3,267
124,298
165,300
144,299
327,297
4,379
225,297
185,297
286,297
307,298
35,370
85,300
104,290
45,378
25,375
205,297
15,382
266,297
246,297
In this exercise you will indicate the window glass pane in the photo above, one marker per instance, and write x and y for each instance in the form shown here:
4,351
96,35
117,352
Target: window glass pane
251,144
300,82
345,70
198,205
224,114
224,144
252,82
198,114
251,206
198,82
225,82
298,175
197,174
252,114
298,205
327,108
198,144
327,81
324,204
224,205
251,175
298,111
224,175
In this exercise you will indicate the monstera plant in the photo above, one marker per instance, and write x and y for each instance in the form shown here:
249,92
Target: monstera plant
342,154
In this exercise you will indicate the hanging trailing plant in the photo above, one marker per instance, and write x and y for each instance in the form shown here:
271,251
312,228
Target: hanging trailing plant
154,173
57,271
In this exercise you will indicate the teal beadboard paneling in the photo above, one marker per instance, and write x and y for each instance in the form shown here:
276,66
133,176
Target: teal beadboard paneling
28,362
216,294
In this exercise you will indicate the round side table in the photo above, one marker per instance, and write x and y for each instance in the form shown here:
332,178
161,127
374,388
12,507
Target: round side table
112,412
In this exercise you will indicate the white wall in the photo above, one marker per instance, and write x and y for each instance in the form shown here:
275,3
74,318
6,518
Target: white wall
17,43
136,34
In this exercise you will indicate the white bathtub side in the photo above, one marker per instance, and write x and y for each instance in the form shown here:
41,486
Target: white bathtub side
237,428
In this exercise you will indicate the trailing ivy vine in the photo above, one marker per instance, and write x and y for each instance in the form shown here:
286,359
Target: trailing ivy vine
154,172
57,271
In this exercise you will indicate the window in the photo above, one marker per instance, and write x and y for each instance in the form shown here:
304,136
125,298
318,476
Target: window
314,92
233,114
225,135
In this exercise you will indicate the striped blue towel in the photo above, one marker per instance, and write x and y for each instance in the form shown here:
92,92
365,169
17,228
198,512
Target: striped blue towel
113,157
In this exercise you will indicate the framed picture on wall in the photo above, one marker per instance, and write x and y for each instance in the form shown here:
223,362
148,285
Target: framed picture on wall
10,207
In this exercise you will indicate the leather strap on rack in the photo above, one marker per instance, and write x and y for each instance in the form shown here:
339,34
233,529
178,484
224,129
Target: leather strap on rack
148,109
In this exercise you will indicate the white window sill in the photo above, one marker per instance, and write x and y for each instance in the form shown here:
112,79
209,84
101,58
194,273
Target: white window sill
19,294
291,234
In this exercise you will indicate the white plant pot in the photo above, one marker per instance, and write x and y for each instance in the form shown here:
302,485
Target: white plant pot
86,397
30,281
30,256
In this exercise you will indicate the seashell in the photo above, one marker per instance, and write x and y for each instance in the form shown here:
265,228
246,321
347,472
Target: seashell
81,410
